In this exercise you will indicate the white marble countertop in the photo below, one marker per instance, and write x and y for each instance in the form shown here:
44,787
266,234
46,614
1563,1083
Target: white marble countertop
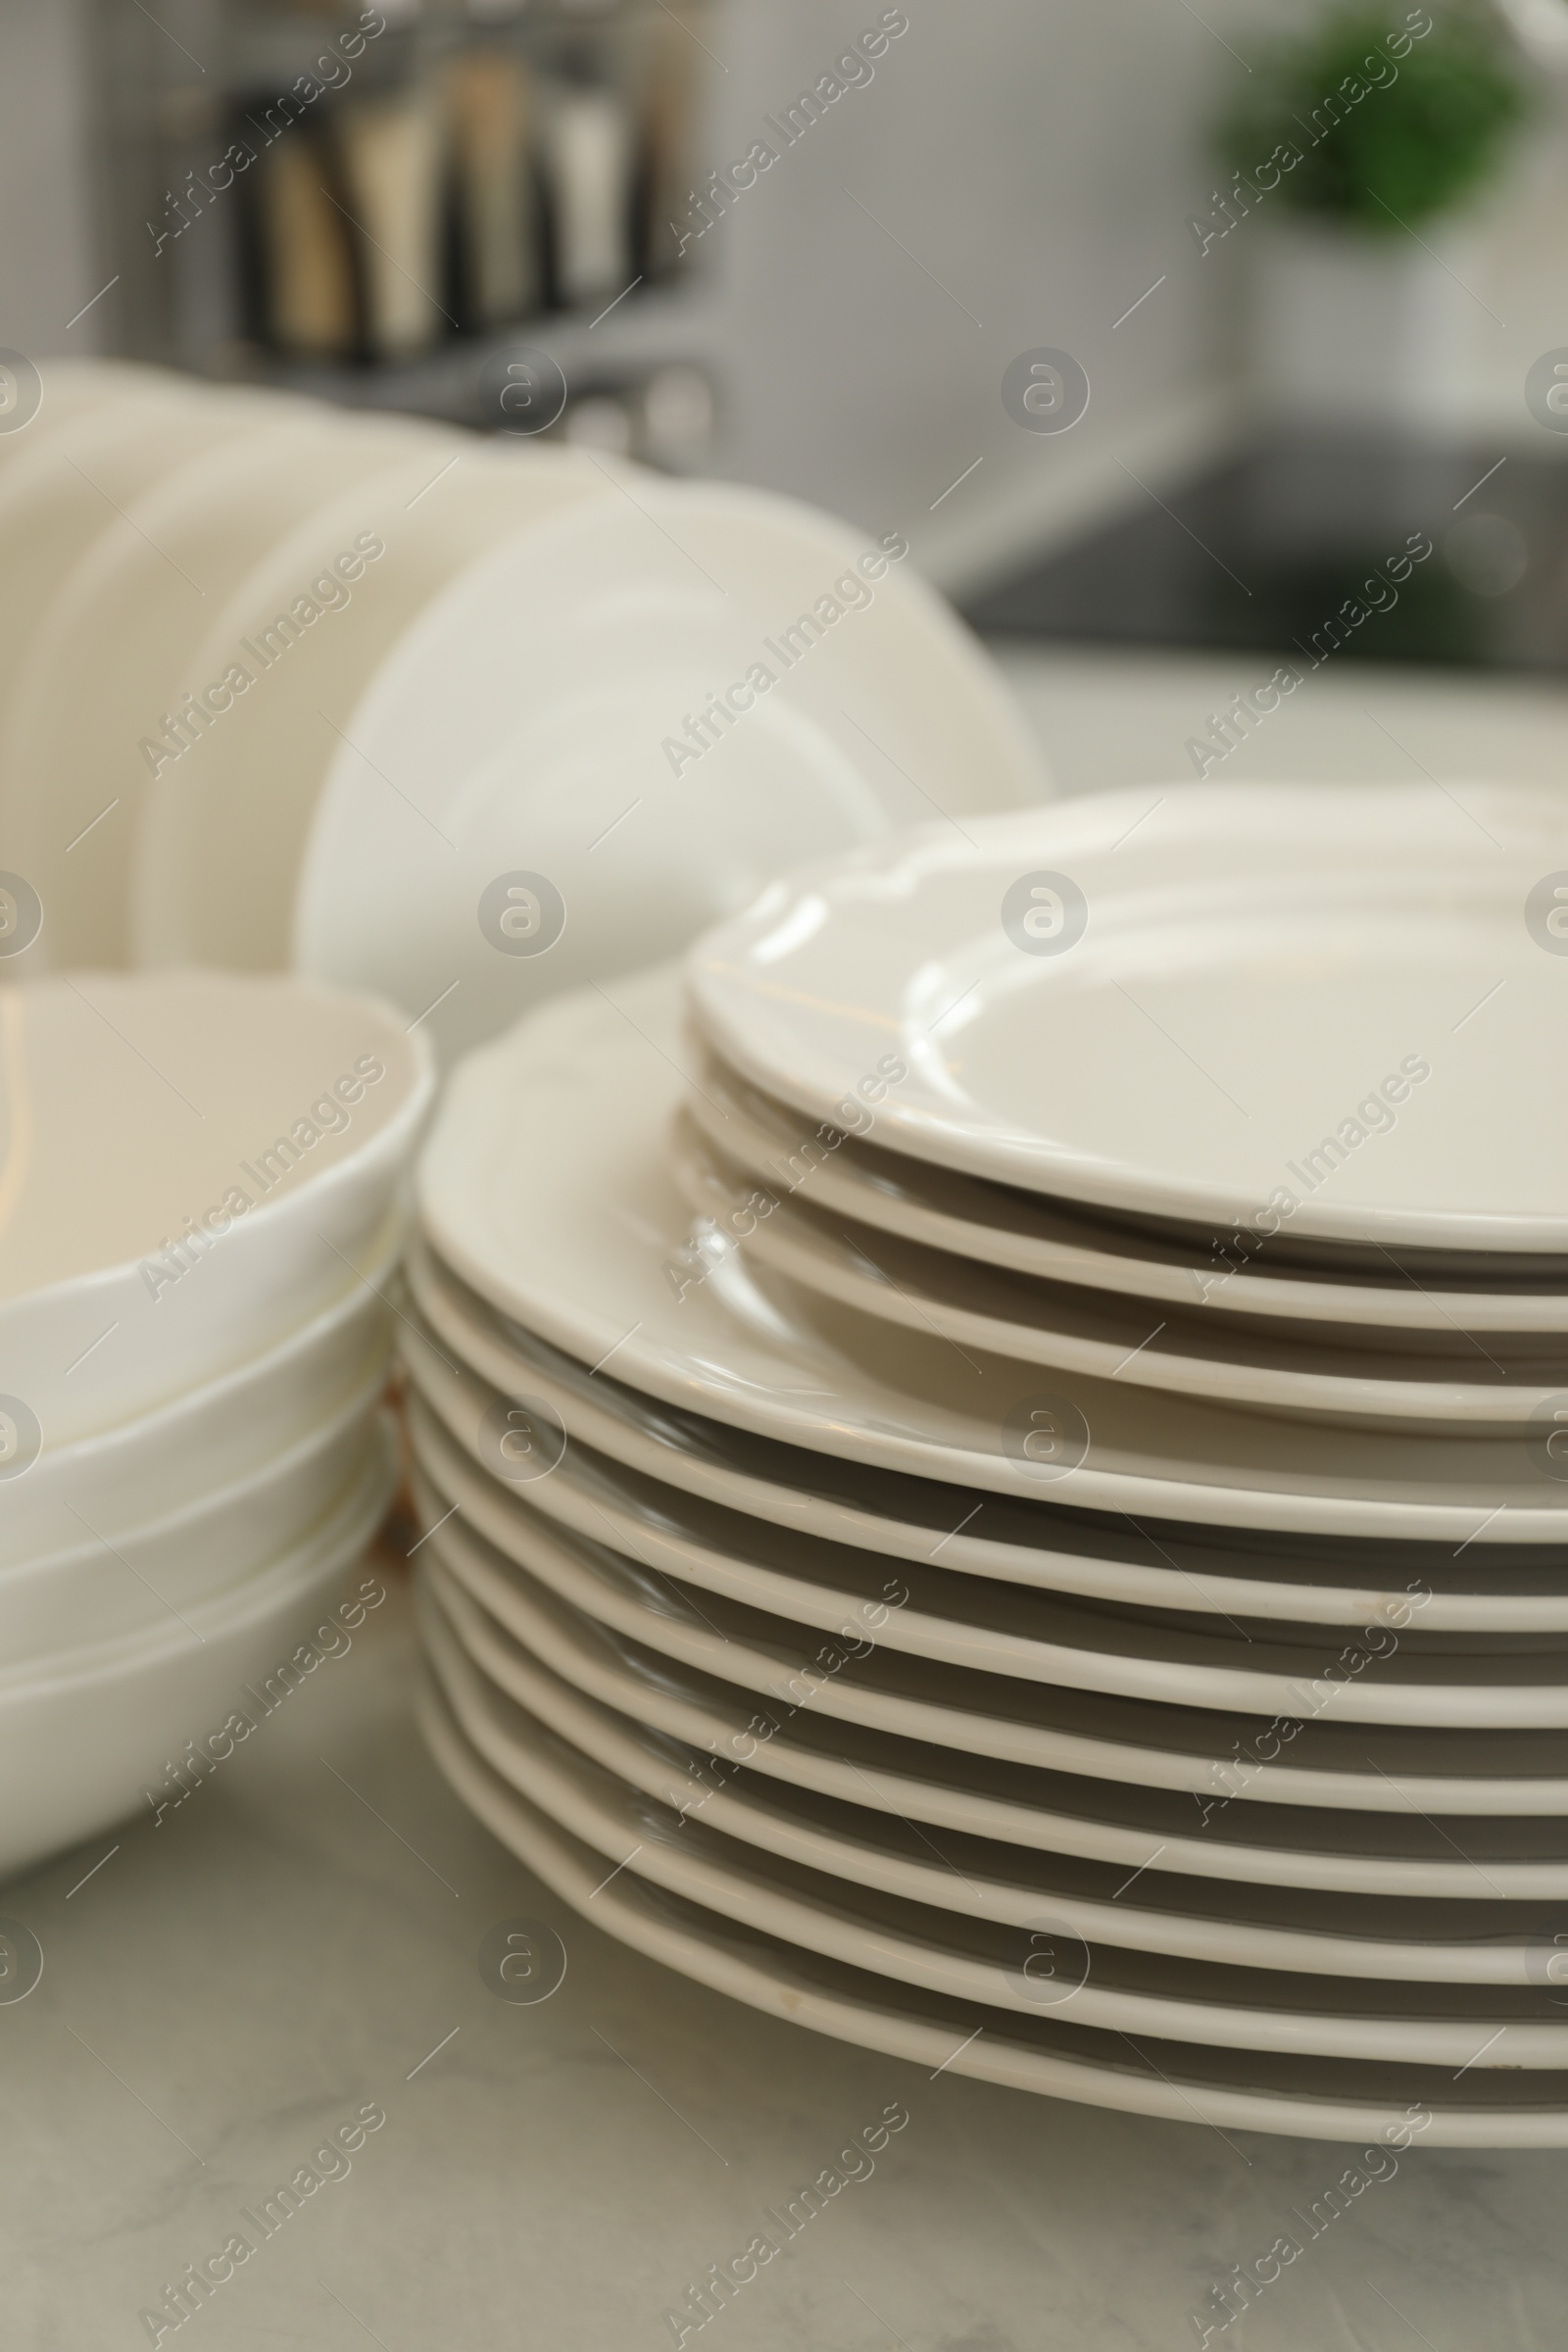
299,1943
1110,717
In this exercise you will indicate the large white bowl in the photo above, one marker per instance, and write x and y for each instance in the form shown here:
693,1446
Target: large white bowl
165,1568
80,1747
120,1478
129,1106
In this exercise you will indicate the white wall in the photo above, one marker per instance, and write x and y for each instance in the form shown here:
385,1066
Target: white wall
1038,159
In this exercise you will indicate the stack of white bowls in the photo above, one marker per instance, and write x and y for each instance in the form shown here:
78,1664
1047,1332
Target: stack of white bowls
1002,1494
199,1221
464,721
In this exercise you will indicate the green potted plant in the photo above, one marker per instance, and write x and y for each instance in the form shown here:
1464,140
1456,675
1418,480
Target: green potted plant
1354,156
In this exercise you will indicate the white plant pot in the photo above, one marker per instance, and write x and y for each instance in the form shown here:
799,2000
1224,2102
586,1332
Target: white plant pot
1350,329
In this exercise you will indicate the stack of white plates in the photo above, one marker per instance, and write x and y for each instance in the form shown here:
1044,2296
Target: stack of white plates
467,722
199,1219
1058,1571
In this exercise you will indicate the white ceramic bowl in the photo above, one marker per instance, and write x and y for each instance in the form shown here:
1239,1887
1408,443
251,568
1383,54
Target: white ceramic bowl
151,1575
132,1110
120,1478
79,1748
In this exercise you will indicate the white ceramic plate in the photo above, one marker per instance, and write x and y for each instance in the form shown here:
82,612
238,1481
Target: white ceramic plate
72,388
1322,2099
81,1745
98,1591
71,487
1129,1828
1271,1367
587,1242
999,1225
225,826
1114,1989
111,656
1166,1008
1303,2098
1385,1938
1211,1756
196,1090
199,1441
1482,1589
533,719
1030,1636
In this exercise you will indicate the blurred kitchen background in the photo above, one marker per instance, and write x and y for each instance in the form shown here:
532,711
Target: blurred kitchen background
1289,382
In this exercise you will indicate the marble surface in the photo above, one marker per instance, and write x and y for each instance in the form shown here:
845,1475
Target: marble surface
300,1941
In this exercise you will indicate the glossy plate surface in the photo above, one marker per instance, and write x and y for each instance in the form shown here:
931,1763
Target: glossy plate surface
463,1357
112,653
1276,1366
999,1225
223,828
545,717
1033,1636
1314,1009
547,1185
1404,1854
1216,1758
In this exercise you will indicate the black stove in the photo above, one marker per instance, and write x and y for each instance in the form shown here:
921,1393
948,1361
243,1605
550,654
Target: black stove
1369,549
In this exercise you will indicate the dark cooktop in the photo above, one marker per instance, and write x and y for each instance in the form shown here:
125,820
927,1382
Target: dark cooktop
1305,547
